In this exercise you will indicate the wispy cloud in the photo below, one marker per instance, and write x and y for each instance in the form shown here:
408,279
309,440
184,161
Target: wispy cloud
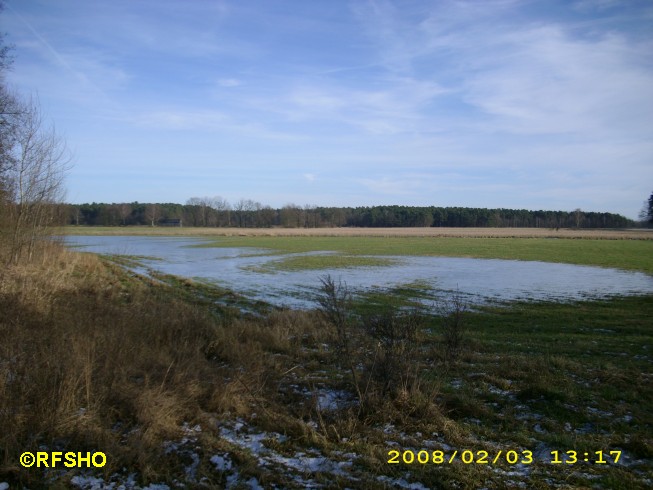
549,82
204,121
182,120
596,5
396,105
531,77
228,82
470,101
396,186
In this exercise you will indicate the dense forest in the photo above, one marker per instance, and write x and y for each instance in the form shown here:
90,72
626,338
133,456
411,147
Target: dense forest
216,212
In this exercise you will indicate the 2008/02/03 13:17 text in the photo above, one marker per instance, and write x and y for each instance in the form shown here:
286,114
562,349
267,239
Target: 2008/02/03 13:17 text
511,457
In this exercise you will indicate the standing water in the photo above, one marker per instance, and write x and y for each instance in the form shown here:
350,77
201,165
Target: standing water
479,280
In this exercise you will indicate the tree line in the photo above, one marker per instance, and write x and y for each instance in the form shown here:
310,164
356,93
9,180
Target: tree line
246,213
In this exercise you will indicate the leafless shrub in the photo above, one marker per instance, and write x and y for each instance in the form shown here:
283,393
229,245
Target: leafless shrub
380,350
453,311
335,303
395,333
335,307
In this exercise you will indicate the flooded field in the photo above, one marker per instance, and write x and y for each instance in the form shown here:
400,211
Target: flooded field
252,272
211,389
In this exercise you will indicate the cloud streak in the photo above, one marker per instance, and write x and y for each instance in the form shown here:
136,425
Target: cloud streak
485,103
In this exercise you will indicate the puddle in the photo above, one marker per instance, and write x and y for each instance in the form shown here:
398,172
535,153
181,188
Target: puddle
478,280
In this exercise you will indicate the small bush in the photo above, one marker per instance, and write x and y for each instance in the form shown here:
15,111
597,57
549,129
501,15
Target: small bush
381,350
396,335
453,311
335,306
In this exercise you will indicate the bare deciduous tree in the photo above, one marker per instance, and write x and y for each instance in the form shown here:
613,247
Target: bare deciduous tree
34,163
152,213
223,210
125,211
243,208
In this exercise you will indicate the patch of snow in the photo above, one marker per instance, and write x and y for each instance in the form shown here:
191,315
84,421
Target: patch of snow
586,429
519,471
457,384
600,413
90,483
587,476
253,484
222,463
526,414
401,483
311,465
331,400
497,391
542,452
182,449
191,430
349,456
300,463
253,442
191,469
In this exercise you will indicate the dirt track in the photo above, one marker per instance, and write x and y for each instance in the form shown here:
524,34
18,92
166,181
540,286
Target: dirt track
635,234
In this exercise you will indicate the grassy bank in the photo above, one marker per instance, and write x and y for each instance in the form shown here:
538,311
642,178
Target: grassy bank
177,385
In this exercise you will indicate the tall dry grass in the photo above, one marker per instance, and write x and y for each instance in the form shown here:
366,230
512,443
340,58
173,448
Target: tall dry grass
96,359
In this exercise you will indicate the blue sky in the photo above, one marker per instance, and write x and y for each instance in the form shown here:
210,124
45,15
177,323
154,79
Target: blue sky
495,103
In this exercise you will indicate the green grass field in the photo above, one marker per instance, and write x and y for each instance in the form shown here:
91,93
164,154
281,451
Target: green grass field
604,248
623,254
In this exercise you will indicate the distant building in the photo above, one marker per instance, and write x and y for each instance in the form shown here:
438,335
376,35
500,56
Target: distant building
170,222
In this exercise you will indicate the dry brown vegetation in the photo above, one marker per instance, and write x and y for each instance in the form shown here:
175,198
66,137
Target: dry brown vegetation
633,234
164,375
97,359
